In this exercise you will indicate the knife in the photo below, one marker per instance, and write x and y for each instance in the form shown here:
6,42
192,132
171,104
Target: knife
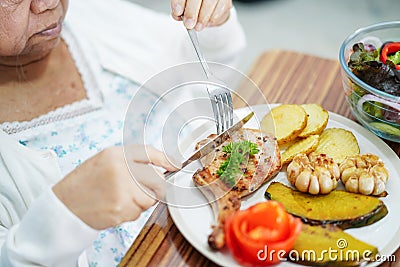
211,145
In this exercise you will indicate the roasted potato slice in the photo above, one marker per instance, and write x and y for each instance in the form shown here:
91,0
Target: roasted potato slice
338,143
286,122
317,119
306,146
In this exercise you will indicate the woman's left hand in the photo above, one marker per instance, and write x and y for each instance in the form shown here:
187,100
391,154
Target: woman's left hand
199,14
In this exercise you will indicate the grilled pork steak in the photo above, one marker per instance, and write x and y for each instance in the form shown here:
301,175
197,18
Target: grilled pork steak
256,170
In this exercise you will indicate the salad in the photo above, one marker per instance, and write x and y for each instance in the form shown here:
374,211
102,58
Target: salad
379,67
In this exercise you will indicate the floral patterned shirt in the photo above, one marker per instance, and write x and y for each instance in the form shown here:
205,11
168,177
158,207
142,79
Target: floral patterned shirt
78,131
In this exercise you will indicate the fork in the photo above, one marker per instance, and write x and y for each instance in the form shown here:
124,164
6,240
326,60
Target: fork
220,95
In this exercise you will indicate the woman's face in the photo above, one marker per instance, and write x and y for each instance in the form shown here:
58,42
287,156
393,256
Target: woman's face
29,29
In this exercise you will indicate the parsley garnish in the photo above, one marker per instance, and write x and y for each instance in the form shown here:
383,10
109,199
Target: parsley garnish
230,168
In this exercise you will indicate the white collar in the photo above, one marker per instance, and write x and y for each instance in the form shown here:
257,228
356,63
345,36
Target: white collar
89,68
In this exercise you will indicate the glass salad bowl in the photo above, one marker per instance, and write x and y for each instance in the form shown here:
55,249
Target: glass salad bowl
370,67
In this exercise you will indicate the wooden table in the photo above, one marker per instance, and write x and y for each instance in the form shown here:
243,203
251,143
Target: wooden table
283,77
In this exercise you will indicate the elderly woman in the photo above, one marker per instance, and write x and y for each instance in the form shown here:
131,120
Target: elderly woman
66,195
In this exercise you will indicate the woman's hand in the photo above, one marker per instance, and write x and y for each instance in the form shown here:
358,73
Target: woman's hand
201,13
102,191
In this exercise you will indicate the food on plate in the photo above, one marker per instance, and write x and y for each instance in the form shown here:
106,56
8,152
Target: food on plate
312,246
314,174
285,121
297,127
306,146
317,119
238,167
338,143
365,174
262,234
341,208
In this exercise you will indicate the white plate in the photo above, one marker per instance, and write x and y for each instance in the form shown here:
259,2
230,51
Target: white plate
195,223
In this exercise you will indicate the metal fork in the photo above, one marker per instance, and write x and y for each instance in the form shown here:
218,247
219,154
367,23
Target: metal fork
220,96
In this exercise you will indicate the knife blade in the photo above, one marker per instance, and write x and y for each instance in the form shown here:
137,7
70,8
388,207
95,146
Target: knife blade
212,144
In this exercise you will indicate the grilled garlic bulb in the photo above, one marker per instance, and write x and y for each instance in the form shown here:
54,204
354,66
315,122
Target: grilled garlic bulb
315,174
365,174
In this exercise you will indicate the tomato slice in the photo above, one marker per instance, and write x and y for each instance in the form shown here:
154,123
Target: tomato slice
268,219
262,234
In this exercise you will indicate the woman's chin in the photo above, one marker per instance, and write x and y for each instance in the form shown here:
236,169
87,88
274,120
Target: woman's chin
36,53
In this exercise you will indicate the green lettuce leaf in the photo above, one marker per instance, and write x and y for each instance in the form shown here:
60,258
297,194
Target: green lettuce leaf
360,56
395,58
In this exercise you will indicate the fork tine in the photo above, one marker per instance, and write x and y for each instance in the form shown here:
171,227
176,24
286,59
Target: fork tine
230,108
214,102
225,113
221,113
221,103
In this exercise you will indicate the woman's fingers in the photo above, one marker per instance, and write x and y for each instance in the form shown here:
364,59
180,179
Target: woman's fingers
150,180
178,7
143,197
143,162
148,154
206,12
191,13
199,14
221,12
158,158
101,191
